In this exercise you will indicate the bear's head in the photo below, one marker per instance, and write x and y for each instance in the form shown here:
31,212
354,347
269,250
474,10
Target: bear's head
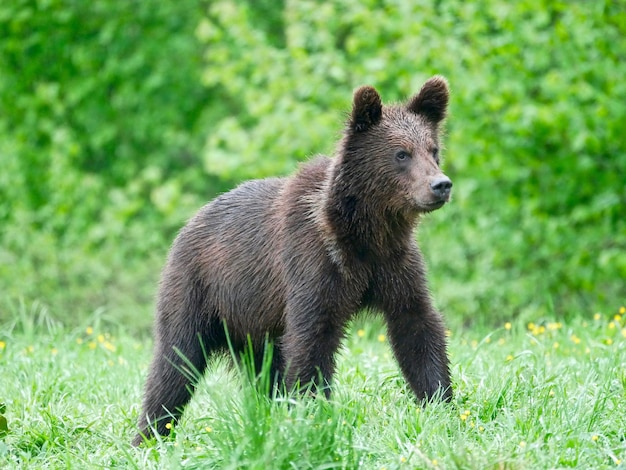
392,153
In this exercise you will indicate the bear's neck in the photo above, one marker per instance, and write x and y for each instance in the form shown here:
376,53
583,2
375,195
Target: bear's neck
360,225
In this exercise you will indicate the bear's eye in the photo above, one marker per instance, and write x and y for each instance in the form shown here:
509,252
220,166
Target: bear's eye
402,155
436,155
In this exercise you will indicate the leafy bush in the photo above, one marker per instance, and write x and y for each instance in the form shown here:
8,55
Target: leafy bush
535,135
111,110
100,133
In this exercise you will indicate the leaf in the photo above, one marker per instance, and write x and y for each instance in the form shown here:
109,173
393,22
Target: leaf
4,427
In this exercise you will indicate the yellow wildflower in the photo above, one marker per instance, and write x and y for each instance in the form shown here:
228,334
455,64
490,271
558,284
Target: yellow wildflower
622,310
89,330
554,326
360,333
381,338
2,345
507,325
597,317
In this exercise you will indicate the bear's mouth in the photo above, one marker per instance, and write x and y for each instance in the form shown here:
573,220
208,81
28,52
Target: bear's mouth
431,206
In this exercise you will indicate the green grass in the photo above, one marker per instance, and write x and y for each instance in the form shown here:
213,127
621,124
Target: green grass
544,395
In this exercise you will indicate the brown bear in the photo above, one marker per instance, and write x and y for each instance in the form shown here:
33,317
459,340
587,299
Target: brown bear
294,259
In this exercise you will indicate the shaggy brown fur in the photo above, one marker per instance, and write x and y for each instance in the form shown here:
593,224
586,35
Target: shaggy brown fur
293,259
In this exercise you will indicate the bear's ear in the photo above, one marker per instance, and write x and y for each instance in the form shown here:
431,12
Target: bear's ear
432,100
367,109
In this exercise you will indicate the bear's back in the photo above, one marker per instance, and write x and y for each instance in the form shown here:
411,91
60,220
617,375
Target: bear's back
229,247
234,247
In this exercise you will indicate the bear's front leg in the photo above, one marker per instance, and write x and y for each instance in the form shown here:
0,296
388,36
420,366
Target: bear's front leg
312,336
418,341
416,330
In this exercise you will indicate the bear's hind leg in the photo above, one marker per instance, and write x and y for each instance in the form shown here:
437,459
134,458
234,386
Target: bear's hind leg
180,359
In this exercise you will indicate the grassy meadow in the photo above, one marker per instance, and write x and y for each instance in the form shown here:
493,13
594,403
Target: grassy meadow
549,394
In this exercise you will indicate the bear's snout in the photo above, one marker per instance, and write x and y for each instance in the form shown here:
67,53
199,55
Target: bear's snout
441,187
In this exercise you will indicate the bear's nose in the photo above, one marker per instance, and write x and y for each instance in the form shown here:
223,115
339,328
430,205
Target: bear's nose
441,187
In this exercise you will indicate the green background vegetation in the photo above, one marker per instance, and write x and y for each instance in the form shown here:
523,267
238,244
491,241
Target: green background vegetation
119,119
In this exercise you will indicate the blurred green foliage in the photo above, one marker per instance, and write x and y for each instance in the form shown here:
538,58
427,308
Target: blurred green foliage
119,119
102,122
